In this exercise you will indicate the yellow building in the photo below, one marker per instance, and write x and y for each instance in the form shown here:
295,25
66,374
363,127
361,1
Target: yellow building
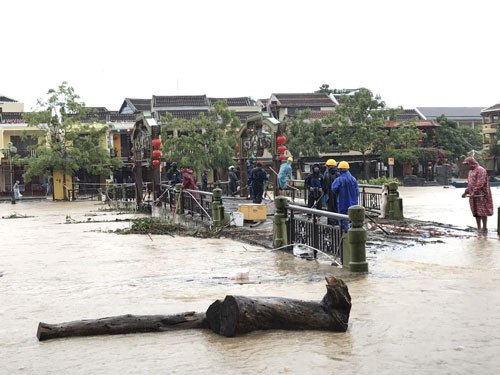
491,122
10,105
14,129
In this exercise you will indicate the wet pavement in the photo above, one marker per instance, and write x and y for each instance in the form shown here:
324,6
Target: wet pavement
426,308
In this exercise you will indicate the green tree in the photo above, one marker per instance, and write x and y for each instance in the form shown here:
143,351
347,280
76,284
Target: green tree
362,121
305,137
457,140
67,144
202,143
325,89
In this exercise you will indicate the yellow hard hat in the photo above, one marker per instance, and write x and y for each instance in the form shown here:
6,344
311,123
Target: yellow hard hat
343,165
331,163
290,159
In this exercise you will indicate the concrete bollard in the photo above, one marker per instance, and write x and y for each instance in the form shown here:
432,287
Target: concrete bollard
280,235
217,208
357,240
394,208
124,192
179,209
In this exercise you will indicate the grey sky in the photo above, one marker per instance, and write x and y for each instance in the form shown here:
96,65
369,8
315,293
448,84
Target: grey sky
413,53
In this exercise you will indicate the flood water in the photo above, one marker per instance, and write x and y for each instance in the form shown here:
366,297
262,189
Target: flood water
425,309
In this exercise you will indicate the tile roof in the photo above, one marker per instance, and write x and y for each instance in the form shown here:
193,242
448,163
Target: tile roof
11,118
137,105
180,101
243,116
418,123
5,99
115,116
243,101
187,115
409,114
452,113
304,100
493,108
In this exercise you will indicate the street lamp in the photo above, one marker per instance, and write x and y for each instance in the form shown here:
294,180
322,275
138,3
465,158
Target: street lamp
11,149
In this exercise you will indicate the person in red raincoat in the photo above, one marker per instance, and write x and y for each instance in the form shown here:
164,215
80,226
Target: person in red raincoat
188,179
479,192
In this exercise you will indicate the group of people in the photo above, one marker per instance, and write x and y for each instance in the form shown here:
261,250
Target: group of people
257,178
185,176
336,188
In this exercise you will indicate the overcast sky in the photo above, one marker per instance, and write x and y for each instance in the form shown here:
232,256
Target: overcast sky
412,53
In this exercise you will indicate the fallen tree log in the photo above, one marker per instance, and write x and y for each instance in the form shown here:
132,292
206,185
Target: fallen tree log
236,315
116,325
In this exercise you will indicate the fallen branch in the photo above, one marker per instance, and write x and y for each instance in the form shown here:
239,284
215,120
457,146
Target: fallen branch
236,315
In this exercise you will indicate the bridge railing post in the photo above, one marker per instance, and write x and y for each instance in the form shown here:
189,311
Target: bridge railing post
394,208
217,208
280,236
357,240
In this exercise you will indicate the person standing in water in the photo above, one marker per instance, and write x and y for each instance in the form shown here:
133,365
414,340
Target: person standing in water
479,192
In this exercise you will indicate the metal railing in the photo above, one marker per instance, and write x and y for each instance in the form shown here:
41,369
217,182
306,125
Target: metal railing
197,202
223,185
309,230
369,199
296,190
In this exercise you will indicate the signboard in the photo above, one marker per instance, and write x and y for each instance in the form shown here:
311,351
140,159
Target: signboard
390,161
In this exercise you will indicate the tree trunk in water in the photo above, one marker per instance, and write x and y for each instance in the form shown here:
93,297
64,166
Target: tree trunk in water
237,315
122,324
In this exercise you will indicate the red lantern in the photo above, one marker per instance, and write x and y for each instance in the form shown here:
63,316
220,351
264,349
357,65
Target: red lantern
238,154
239,162
282,157
237,146
281,139
419,141
157,154
156,162
281,149
156,142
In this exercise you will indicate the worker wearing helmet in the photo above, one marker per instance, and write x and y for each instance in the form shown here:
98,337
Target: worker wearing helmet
330,198
346,188
285,171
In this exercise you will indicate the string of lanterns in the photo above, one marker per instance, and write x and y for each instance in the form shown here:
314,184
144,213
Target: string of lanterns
156,153
281,148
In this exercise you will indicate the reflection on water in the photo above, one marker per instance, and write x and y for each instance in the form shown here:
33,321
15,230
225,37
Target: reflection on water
425,309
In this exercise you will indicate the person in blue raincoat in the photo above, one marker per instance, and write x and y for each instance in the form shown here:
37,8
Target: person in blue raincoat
285,171
346,188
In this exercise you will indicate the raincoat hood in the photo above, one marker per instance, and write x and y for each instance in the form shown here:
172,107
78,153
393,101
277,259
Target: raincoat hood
470,161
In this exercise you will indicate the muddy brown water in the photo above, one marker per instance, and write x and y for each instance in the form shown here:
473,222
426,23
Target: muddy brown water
424,309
